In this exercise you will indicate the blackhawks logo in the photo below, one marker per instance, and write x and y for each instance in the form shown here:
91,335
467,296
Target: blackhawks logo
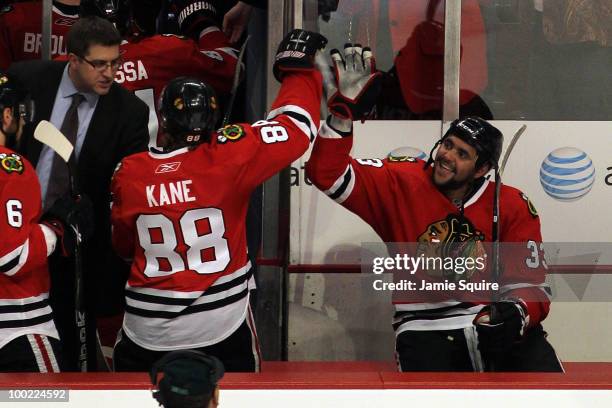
11,163
230,133
451,238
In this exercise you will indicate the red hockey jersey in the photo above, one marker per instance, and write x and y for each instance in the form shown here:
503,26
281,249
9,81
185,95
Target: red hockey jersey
149,64
24,278
20,32
180,216
399,200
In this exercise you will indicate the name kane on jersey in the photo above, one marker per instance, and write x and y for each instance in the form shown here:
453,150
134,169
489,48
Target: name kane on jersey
169,193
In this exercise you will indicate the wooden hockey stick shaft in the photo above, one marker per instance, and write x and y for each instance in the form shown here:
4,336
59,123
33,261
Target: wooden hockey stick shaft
496,270
49,135
235,83
515,139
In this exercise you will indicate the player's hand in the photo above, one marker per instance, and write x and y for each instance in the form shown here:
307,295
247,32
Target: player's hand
195,15
498,331
72,221
296,52
236,20
356,83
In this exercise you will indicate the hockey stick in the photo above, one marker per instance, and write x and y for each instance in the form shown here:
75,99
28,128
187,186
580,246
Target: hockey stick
499,171
235,83
496,270
515,139
49,135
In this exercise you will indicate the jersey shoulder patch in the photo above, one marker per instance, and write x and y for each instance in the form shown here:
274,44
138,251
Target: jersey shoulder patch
11,163
7,8
402,159
230,133
530,207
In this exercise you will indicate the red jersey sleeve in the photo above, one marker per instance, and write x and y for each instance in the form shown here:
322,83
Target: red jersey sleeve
363,186
523,261
24,246
122,227
217,60
274,143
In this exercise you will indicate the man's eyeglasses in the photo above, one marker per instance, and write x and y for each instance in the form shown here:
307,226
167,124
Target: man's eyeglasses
101,65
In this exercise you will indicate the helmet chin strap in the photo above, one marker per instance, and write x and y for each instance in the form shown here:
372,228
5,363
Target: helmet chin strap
430,161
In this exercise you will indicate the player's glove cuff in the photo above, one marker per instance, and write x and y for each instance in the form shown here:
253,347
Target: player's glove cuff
195,15
66,240
335,127
296,52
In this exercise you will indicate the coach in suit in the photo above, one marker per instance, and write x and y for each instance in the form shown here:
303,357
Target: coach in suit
105,123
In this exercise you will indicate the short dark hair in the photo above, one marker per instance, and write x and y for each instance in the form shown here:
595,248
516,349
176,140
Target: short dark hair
91,30
168,398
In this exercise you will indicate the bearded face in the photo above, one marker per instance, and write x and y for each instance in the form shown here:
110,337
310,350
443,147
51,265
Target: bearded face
455,165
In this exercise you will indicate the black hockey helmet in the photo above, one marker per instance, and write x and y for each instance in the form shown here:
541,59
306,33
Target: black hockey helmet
188,110
190,378
117,12
478,133
132,18
14,96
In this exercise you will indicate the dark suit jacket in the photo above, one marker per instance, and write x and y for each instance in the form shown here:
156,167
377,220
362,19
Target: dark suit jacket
117,129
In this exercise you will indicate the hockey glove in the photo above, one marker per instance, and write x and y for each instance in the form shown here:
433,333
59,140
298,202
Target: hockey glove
356,85
67,216
296,52
195,15
497,335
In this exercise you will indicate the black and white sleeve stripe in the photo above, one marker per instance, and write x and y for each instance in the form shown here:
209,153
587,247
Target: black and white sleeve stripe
343,186
299,116
12,262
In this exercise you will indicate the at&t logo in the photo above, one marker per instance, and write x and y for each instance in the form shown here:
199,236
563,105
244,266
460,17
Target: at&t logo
567,174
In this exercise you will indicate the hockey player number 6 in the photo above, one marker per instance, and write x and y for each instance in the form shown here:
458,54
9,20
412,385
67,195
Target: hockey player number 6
196,243
13,213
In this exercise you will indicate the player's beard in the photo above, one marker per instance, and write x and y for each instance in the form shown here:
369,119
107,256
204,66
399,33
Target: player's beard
453,183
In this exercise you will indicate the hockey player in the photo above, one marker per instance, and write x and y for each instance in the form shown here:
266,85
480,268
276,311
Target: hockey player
190,380
29,340
180,215
150,61
20,29
407,200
